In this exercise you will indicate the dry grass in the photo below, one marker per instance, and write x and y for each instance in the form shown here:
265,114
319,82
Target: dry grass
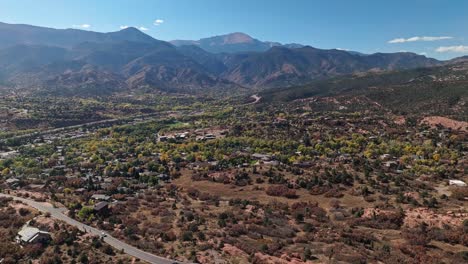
256,192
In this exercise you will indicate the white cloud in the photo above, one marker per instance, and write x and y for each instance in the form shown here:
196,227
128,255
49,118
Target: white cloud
158,22
82,26
413,39
124,27
423,53
142,28
342,49
459,49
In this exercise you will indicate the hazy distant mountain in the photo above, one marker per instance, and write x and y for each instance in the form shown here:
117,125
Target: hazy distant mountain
281,66
85,62
293,46
211,62
14,34
105,68
88,62
229,43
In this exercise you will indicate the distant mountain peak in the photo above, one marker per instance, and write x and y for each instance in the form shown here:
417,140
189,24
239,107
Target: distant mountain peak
229,43
132,34
236,37
14,34
130,29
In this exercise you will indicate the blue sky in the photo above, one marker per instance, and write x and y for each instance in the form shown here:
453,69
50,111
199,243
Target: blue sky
436,28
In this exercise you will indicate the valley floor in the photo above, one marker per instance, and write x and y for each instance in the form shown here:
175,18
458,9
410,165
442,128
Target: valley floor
317,180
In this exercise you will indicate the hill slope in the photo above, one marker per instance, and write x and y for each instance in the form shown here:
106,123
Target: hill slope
16,34
426,91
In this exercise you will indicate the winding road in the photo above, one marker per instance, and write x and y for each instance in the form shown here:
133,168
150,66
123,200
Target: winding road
58,213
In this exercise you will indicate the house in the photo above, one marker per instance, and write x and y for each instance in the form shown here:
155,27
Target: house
182,136
385,157
391,164
101,207
344,158
147,173
100,197
280,121
36,186
263,157
163,138
164,177
209,137
32,235
12,182
457,183
8,154
272,163
303,164
80,190
200,165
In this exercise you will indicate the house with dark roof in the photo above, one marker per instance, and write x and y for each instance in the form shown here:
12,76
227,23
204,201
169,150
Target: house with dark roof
12,182
101,208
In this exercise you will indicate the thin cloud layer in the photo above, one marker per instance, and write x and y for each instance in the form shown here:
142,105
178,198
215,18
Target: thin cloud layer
82,26
459,49
158,22
413,39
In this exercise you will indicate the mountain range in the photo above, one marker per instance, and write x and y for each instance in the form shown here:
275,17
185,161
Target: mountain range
71,61
232,43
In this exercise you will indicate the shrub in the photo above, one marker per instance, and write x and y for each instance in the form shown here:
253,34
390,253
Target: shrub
187,236
281,190
459,193
23,211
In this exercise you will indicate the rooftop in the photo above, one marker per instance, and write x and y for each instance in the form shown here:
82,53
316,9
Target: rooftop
28,233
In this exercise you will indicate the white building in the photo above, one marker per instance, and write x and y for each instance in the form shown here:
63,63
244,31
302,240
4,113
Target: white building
457,183
8,154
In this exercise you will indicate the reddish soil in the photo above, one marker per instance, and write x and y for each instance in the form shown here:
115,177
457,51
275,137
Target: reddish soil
414,217
446,122
284,259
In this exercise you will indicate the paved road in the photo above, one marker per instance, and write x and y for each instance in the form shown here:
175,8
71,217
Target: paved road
58,213
125,120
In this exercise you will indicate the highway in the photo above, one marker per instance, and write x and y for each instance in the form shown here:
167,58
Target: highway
58,213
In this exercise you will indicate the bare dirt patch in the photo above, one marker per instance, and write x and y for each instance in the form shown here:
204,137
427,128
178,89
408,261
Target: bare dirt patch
400,120
414,217
257,193
284,259
445,122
